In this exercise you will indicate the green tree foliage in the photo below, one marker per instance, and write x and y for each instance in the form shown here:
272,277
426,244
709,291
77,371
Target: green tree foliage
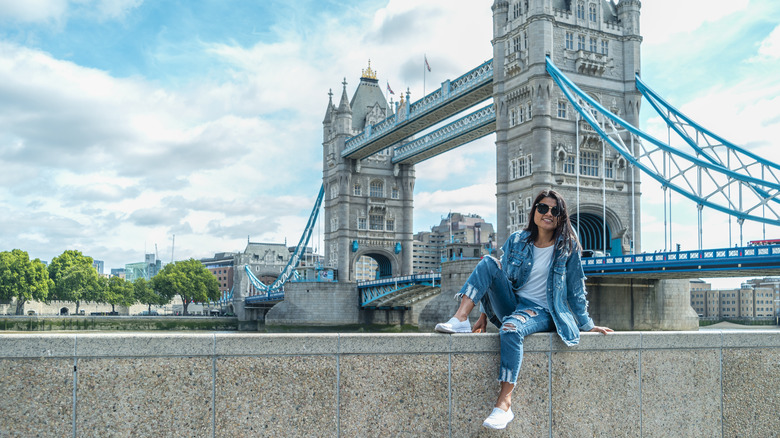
119,292
75,279
22,278
189,279
144,294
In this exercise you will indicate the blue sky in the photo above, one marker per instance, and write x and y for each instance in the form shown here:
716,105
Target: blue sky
125,122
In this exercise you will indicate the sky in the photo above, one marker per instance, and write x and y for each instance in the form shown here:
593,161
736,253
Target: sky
124,123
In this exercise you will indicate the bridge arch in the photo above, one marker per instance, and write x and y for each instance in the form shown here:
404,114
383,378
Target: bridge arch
386,261
593,229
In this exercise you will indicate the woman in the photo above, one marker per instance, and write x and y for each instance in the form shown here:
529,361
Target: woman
537,286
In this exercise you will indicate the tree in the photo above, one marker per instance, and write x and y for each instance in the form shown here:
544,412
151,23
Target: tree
119,291
144,294
22,278
75,279
189,279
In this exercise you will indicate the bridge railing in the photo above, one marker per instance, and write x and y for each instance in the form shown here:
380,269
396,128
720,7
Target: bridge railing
414,278
684,256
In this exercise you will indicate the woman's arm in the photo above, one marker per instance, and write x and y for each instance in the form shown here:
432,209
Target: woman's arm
575,288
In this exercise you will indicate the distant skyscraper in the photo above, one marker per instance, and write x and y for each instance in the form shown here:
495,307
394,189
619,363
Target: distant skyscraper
98,265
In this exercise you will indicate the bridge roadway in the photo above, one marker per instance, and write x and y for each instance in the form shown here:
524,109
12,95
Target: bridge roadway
453,97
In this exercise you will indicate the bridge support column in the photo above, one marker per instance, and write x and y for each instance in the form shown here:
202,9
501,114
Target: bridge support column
316,303
637,304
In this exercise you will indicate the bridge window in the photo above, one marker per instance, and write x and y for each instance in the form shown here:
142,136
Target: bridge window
376,222
520,167
356,191
569,41
361,223
390,225
521,114
593,44
516,44
568,165
512,117
562,106
605,47
592,12
581,10
580,42
609,169
334,191
394,193
377,189
525,40
517,10
528,108
512,206
589,163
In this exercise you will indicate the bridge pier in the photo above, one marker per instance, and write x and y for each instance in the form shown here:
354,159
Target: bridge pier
639,304
316,303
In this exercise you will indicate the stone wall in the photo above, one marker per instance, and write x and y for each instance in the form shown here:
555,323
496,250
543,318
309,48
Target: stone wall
707,383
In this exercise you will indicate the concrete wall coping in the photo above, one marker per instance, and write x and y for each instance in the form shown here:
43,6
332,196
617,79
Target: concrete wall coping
39,345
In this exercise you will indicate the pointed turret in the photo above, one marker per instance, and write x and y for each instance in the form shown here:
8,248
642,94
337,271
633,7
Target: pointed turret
328,120
344,113
344,106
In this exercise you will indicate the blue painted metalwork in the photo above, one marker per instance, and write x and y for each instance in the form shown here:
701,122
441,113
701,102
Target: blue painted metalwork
718,177
481,118
451,91
715,147
407,287
275,291
765,259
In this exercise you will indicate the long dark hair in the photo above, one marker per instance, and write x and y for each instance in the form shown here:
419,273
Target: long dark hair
569,241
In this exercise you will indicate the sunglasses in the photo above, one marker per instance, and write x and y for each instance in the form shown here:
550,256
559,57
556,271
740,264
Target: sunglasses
544,208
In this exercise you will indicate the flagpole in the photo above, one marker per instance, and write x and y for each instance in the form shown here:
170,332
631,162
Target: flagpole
424,60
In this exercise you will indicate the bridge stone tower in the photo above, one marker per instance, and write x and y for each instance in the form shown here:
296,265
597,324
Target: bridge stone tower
540,140
368,203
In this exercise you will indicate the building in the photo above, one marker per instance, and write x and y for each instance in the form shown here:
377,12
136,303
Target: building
221,265
541,142
98,265
758,298
457,236
146,269
368,208
118,272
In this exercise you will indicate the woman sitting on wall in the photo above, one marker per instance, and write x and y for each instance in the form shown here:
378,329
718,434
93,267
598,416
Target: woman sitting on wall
537,286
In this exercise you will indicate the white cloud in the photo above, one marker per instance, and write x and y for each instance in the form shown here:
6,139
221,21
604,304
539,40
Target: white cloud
57,11
770,47
664,21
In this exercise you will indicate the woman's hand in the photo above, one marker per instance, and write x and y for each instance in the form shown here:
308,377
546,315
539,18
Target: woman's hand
481,325
602,330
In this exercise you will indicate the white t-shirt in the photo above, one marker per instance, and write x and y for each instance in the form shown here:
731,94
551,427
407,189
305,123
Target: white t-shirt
535,289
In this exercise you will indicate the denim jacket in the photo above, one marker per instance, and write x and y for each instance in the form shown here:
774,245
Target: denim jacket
565,284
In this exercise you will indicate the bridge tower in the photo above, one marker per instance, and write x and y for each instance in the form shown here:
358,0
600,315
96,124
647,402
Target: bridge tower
540,141
368,203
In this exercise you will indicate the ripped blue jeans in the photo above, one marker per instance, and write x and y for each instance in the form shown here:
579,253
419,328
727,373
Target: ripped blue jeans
515,317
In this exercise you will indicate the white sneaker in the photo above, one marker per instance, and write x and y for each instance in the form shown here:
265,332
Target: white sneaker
454,326
498,419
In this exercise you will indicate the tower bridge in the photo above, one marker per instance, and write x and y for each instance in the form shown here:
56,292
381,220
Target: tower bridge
566,93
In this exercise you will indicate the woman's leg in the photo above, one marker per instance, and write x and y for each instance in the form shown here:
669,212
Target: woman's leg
526,320
489,285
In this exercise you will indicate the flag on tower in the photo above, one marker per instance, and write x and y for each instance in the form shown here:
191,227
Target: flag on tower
428,66
390,90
